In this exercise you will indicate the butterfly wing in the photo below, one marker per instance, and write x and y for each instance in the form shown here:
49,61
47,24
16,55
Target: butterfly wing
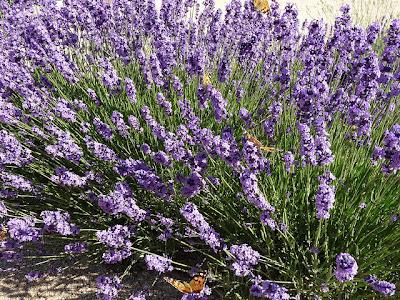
261,5
182,286
206,79
3,232
270,149
198,283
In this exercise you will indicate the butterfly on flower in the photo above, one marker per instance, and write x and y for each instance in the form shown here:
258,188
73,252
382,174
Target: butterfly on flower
195,285
206,79
3,232
259,145
261,5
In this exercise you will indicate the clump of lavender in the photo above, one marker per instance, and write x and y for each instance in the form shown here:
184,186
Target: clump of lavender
117,240
383,287
275,110
108,287
325,196
190,212
288,158
245,259
269,290
390,152
23,229
158,263
56,221
346,267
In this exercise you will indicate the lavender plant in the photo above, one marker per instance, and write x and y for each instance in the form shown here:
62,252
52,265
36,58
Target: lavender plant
124,139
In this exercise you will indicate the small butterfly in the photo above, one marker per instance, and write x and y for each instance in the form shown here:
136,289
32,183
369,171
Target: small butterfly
195,285
261,5
3,232
259,145
206,79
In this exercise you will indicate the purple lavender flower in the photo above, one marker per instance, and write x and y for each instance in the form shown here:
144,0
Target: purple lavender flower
266,219
100,150
138,295
246,117
114,237
164,104
190,212
108,287
219,104
12,151
245,259
193,185
269,290
65,147
383,287
130,90
118,119
324,198
103,129
249,184
75,248
110,77
67,178
64,110
134,123
224,69
390,151
57,221
23,230
34,275
346,267
275,110
288,157
158,263
93,96
322,145
16,181
307,148
162,158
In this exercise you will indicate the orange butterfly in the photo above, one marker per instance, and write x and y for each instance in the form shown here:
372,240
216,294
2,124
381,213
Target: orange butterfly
261,5
259,145
3,232
195,285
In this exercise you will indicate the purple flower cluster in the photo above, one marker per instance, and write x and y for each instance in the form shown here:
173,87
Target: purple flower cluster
158,263
12,151
164,104
245,259
116,238
121,201
118,119
250,188
275,110
383,287
108,287
269,290
65,147
103,129
346,267
23,230
64,177
190,212
325,196
75,248
390,152
130,90
57,221
16,181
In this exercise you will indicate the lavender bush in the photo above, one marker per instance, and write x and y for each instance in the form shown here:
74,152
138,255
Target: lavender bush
131,135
